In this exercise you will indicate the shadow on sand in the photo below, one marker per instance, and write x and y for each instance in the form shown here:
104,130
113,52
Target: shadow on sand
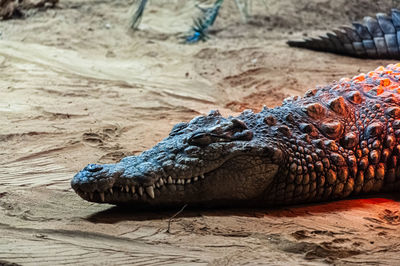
117,214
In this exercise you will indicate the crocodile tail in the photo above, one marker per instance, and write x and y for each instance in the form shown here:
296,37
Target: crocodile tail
372,38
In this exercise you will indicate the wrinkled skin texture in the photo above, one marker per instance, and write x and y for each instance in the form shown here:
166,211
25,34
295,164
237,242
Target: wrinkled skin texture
336,141
373,38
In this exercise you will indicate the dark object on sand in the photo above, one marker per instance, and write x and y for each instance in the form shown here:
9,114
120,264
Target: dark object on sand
9,9
137,16
202,24
336,141
199,29
374,38
14,8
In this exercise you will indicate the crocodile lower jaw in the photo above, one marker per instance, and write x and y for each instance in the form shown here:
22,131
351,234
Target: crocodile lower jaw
139,192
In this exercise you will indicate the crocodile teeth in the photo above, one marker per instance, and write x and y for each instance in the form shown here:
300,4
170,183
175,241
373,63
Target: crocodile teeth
161,182
202,176
179,181
150,191
133,189
126,188
188,181
111,191
140,191
102,196
122,189
195,178
169,180
158,184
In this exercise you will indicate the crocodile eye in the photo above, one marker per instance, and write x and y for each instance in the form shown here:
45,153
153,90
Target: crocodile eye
200,139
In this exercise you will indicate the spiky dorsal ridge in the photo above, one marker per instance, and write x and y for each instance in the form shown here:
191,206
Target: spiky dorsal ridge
339,112
373,38
381,86
339,100
382,83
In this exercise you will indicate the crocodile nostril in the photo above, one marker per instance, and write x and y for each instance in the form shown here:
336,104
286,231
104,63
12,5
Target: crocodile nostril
94,167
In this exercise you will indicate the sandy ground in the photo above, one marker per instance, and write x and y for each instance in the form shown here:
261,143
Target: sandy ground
77,87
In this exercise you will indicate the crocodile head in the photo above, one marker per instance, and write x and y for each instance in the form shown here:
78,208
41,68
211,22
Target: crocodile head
208,161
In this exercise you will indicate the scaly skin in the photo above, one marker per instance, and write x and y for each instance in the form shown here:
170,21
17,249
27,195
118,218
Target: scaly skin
336,141
374,38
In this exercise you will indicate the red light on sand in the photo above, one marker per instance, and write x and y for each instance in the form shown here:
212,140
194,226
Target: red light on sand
335,206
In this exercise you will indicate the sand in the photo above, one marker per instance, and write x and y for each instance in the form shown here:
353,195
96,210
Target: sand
78,87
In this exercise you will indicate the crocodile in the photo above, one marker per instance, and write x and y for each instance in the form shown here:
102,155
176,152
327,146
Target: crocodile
373,38
337,141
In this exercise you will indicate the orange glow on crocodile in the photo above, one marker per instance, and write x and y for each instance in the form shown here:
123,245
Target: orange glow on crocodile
377,82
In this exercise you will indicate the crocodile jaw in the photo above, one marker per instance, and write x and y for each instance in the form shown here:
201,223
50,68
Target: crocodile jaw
210,159
224,185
